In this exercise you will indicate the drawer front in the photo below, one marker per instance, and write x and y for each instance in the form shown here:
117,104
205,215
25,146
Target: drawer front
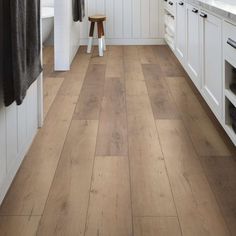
230,42
170,6
165,3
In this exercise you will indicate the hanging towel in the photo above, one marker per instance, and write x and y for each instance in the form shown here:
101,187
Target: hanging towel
22,48
78,7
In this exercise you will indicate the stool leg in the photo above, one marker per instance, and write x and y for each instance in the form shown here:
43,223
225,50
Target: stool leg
103,38
100,44
90,42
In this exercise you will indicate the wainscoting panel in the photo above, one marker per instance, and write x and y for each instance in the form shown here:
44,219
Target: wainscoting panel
128,21
18,126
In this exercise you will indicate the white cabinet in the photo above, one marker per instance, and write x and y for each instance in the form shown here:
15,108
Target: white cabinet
211,48
193,44
180,30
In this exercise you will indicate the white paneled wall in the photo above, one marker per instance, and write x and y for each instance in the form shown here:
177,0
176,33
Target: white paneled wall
128,21
18,126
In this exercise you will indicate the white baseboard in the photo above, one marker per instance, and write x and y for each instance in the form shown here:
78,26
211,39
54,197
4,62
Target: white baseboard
156,41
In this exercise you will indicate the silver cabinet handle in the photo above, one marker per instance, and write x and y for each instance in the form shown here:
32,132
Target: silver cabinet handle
203,15
232,43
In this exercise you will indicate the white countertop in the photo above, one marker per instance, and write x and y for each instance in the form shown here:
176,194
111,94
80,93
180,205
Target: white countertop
226,9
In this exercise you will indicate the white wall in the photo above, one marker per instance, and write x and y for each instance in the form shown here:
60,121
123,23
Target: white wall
128,21
66,35
47,3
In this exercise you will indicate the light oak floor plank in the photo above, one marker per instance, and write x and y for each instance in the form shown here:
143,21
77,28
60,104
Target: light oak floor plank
66,208
153,226
19,225
115,62
109,210
151,193
152,71
112,134
163,104
147,55
136,88
51,87
90,100
198,211
133,70
169,66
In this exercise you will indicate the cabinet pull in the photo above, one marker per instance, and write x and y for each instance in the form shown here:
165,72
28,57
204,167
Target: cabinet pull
232,43
165,0
171,3
181,3
203,15
195,10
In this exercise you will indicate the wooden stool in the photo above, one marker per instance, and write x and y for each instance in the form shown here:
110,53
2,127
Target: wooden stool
99,19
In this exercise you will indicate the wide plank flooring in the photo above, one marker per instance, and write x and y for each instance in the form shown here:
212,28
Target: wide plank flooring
128,148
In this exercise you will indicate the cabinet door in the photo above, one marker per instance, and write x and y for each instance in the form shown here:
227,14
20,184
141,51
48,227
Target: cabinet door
211,44
193,45
181,30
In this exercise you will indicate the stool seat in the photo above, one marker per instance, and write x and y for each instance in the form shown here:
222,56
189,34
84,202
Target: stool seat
97,18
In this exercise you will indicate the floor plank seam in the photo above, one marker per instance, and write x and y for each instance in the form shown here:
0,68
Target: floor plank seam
131,202
165,166
91,180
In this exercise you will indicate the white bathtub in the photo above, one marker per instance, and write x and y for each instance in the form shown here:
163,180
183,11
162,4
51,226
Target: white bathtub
47,22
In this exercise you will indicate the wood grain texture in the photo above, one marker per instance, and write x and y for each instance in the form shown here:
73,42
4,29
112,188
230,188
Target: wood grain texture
153,226
147,55
51,87
19,225
136,88
110,211
66,208
89,103
221,174
115,63
28,193
133,69
152,71
151,193
112,134
90,100
95,75
163,104
196,205
165,58
204,135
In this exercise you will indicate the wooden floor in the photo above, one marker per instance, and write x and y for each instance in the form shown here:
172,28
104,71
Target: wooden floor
128,148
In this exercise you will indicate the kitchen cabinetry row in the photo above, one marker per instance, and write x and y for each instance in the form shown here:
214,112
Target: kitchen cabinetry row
201,44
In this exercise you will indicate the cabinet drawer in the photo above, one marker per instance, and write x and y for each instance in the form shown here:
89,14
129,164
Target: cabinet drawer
165,3
230,41
170,6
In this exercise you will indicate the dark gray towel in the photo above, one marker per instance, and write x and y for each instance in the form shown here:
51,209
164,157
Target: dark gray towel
78,7
22,48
